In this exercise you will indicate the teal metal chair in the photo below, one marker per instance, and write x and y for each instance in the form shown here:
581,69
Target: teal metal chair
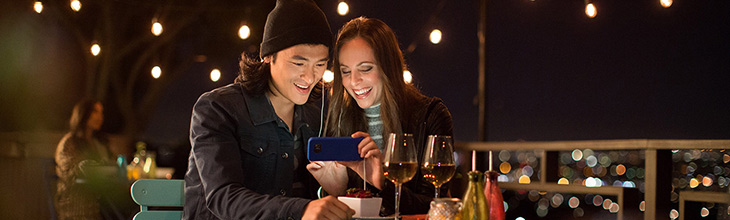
158,193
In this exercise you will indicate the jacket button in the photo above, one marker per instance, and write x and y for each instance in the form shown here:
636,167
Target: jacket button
260,150
285,155
283,192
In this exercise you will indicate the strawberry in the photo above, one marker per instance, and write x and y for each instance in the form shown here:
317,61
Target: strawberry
359,193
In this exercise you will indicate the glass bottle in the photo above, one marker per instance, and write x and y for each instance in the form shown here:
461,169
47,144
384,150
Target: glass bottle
135,170
150,166
494,196
475,205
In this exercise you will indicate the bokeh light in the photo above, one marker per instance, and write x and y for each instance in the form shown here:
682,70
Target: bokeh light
613,208
504,155
156,28
704,212
577,155
505,167
673,214
524,179
38,7
693,183
215,75
343,8
597,200
244,32
666,3
435,36
328,76
573,202
76,5
591,10
642,206
563,181
407,76
156,72
95,49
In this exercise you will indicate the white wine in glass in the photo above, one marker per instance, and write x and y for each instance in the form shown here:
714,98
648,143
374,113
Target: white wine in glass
438,161
400,163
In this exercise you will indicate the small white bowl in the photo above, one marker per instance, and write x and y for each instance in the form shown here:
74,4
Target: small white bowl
364,207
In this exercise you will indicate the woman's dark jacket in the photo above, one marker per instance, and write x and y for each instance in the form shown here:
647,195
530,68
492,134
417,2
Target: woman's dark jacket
421,116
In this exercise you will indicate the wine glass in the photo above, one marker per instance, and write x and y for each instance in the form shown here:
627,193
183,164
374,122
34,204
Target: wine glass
400,163
438,161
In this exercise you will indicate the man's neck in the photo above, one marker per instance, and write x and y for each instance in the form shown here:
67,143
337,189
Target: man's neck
283,107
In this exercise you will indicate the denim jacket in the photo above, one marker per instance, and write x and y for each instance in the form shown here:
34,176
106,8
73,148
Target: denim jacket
241,164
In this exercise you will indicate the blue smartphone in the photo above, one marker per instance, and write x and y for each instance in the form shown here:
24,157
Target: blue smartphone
333,149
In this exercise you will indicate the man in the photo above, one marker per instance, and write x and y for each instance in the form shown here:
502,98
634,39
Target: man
249,138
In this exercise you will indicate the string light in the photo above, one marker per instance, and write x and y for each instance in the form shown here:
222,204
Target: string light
95,49
156,28
244,32
156,72
435,36
38,6
407,76
328,76
666,3
215,75
342,8
591,10
76,5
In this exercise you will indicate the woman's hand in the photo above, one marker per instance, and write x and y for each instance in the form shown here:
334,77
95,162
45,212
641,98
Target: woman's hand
373,161
330,175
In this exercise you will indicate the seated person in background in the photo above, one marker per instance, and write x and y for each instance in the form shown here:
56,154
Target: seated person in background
369,94
80,148
249,138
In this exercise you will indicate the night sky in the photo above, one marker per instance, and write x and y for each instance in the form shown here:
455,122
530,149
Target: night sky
637,70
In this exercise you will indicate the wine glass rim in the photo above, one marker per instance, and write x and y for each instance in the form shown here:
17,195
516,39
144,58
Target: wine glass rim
439,135
404,134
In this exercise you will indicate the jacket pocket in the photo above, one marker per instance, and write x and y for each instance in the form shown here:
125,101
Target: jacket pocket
259,162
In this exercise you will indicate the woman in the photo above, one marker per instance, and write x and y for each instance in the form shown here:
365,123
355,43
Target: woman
82,146
369,94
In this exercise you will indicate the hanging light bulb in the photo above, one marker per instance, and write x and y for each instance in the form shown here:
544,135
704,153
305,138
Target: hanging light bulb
76,5
342,8
38,6
666,3
156,72
407,76
435,36
591,10
244,32
95,49
215,75
328,76
156,28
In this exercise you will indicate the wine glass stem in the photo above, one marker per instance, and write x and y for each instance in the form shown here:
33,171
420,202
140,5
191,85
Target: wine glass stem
437,192
397,201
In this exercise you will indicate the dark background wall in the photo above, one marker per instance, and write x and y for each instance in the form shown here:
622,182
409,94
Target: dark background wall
636,70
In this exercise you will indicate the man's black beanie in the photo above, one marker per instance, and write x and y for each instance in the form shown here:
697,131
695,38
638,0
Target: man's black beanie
294,22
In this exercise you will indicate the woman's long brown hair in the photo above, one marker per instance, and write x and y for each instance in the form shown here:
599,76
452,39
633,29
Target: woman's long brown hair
344,115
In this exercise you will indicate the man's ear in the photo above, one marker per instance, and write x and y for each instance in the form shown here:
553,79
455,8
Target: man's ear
267,59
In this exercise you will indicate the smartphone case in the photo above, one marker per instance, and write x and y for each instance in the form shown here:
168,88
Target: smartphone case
333,149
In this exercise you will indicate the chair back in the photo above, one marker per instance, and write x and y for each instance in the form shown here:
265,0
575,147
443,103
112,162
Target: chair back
158,193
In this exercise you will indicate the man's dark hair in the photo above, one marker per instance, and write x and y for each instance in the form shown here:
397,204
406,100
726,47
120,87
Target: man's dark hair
255,76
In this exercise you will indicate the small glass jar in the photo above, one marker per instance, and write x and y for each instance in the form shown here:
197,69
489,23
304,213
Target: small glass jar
444,209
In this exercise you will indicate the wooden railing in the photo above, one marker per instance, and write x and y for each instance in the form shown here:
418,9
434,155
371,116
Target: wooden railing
657,152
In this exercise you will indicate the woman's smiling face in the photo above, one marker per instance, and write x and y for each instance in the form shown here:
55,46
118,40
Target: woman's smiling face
360,73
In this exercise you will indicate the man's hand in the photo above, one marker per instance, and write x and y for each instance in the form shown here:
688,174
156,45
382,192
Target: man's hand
327,208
